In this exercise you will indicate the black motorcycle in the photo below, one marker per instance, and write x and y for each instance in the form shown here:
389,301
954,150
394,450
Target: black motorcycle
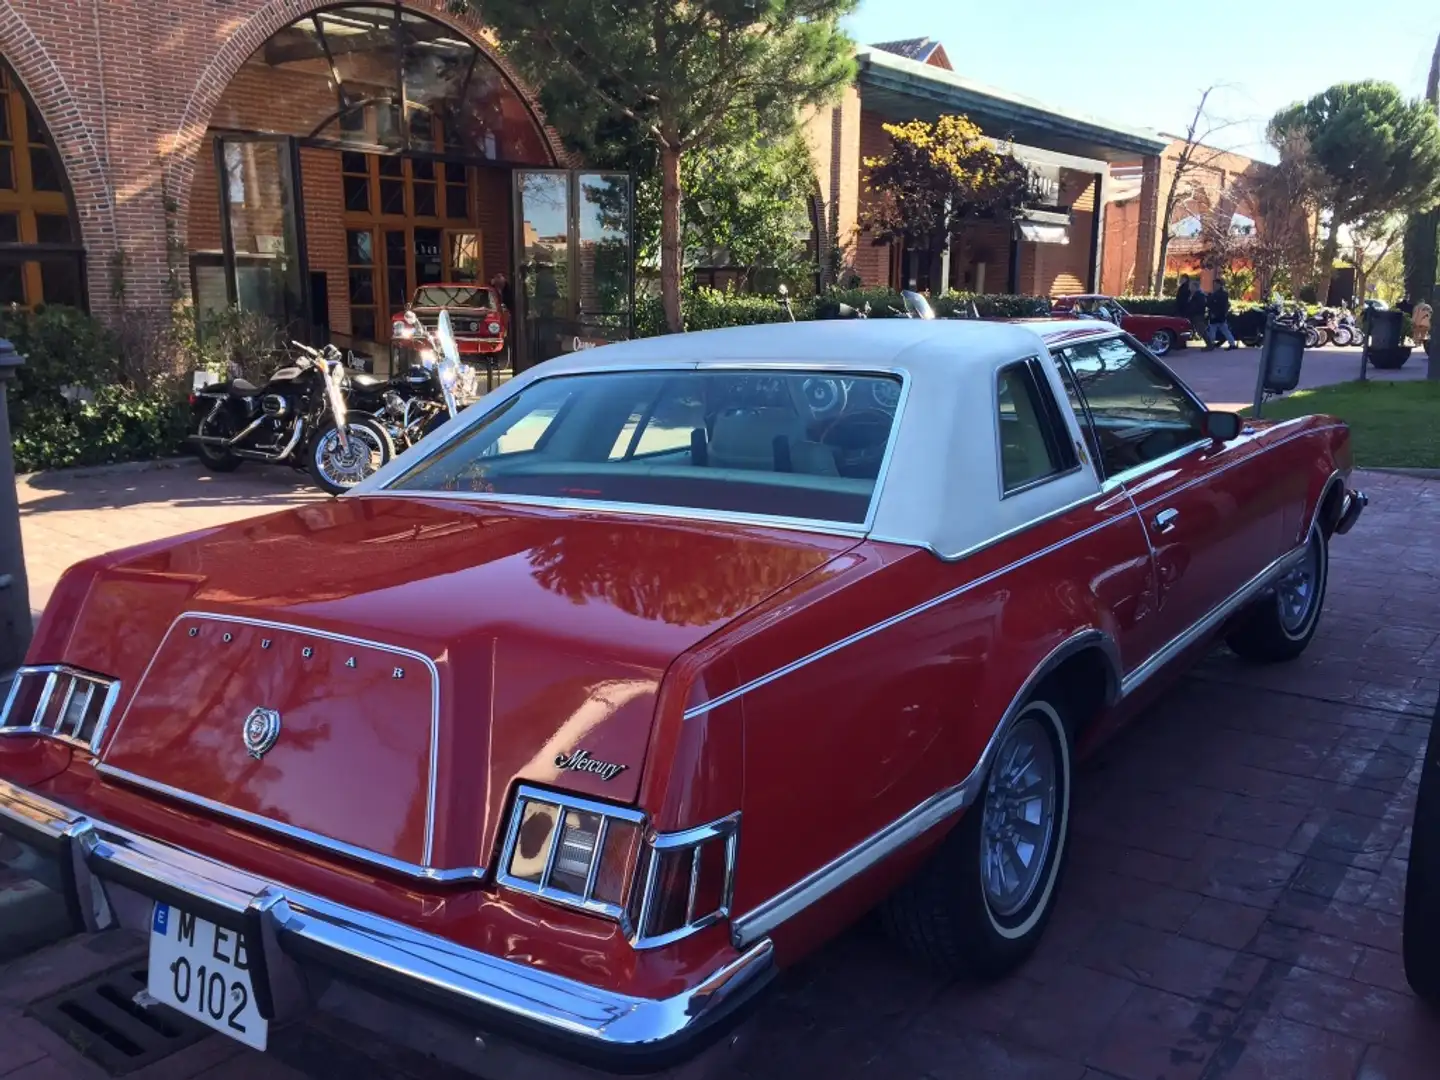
298,418
416,401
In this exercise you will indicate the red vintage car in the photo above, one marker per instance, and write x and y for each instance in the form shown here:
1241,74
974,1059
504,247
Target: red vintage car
549,745
1160,333
480,320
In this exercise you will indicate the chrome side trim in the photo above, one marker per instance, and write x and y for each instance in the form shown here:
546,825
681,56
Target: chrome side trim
424,870
597,506
1120,479
1212,619
592,1017
760,920
895,620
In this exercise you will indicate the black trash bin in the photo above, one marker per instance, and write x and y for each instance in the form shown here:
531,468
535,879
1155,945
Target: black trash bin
1384,349
1281,355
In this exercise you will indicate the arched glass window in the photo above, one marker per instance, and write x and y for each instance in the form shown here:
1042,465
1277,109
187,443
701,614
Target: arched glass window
41,260
382,78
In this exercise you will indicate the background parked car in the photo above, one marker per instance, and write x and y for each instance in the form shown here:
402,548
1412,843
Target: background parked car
1160,333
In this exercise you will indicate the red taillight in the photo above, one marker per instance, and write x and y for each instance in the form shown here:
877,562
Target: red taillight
193,399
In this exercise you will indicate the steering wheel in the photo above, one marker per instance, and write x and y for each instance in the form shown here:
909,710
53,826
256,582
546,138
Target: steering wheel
859,438
824,396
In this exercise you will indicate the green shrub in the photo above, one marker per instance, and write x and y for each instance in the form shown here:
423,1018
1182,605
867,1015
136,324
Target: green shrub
119,424
74,400
62,347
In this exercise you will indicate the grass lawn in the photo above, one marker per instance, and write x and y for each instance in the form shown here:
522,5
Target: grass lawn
1394,424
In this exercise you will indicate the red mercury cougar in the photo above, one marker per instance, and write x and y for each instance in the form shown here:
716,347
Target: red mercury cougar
548,746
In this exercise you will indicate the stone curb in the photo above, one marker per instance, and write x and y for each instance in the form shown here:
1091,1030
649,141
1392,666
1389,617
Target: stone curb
81,471
1414,474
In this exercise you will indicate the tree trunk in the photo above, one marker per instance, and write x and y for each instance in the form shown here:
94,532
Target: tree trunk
1159,282
670,237
1421,242
1328,251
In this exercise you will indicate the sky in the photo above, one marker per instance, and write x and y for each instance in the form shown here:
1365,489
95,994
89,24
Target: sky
1146,64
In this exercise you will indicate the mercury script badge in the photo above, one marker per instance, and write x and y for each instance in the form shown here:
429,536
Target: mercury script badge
262,730
580,761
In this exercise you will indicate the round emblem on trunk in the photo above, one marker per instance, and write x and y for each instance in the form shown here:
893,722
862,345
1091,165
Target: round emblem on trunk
262,730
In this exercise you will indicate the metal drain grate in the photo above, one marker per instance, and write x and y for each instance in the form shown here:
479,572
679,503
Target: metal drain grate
99,1017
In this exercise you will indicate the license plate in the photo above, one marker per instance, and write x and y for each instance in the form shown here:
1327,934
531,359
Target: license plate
202,970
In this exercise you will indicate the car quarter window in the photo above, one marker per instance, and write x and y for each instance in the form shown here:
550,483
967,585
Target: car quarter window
1034,444
1136,410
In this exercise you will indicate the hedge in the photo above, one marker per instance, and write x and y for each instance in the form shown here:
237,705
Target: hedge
71,404
710,309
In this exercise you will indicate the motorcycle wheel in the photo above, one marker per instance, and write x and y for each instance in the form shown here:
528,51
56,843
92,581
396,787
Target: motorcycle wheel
1312,337
1342,335
218,458
1322,334
336,470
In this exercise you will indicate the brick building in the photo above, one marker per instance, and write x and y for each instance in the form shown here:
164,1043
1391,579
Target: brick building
1056,247
310,160
1215,192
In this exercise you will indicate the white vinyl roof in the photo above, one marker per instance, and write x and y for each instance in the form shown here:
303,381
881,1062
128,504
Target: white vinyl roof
941,489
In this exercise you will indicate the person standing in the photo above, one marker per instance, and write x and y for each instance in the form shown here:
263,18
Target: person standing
1182,295
1420,317
1195,309
1217,309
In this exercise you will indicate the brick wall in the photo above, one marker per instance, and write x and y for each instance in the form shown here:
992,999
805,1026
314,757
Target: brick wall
128,89
871,260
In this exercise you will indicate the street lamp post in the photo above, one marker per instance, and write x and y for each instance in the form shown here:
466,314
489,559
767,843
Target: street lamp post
16,625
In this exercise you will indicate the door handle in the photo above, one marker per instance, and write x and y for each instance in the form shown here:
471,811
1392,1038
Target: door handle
1165,520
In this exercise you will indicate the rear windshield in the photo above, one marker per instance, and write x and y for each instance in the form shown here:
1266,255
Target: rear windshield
452,296
805,445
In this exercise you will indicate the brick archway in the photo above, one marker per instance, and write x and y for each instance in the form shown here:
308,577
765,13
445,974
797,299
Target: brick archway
85,165
272,17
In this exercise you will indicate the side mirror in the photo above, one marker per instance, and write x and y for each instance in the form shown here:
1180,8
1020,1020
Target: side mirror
446,333
1223,426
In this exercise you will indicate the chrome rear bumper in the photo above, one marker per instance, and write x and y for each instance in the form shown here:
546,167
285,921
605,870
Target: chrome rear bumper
1351,507
111,877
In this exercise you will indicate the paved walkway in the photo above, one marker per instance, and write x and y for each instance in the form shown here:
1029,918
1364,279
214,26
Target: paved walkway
1226,378
66,516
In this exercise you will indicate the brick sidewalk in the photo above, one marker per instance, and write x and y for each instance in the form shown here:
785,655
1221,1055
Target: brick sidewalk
1231,910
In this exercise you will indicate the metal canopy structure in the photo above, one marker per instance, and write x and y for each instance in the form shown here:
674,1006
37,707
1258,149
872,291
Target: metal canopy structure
900,89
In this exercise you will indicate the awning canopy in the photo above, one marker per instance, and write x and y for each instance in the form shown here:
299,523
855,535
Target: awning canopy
1039,233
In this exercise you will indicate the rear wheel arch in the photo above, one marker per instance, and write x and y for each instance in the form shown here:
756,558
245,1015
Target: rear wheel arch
1328,508
1085,682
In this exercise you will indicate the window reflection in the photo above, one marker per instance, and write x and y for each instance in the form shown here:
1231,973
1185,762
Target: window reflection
385,78
604,214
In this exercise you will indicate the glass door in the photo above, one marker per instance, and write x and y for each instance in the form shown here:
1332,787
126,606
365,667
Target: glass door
604,265
543,238
263,231
575,258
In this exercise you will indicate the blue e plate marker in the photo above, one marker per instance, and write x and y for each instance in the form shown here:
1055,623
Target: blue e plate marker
162,919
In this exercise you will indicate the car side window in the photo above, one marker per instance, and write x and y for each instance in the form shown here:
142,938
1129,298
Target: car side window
1033,443
1137,411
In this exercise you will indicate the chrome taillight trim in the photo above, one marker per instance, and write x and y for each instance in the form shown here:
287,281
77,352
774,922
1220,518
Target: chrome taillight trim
634,914
544,889
72,678
727,829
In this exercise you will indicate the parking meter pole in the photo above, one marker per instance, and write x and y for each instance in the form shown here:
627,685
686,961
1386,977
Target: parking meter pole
16,625
1260,373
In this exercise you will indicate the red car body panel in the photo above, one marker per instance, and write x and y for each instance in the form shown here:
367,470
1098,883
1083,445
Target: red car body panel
850,680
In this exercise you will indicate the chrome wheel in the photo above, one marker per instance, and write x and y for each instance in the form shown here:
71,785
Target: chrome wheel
1160,342
1019,822
1296,591
345,466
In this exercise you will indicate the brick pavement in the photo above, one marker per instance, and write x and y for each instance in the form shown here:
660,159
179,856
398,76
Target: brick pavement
1231,909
